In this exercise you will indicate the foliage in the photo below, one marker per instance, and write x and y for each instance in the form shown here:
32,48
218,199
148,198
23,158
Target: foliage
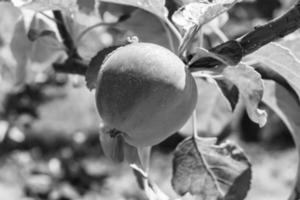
56,33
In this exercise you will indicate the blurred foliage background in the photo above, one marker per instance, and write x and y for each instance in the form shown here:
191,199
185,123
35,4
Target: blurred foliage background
49,146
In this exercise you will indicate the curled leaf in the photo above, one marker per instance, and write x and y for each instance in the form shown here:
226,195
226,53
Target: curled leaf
250,86
210,171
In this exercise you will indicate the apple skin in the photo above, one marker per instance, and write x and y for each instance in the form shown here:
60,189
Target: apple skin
146,92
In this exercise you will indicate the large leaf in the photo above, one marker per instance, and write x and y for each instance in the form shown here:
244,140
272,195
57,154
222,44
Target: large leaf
148,28
33,57
213,110
288,109
293,43
156,7
209,171
42,5
250,86
281,60
199,13
191,17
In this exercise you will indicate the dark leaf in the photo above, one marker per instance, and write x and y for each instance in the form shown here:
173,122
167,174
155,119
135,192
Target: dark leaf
210,171
230,91
95,64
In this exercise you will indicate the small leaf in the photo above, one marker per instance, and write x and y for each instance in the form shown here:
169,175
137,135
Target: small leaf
250,86
42,5
210,171
116,148
95,64
152,191
156,7
230,91
112,146
281,60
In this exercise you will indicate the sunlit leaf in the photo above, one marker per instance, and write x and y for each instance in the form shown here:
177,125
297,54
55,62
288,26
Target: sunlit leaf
199,13
33,57
250,86
42,5
282,60
152,191
210,171
191,17
288,109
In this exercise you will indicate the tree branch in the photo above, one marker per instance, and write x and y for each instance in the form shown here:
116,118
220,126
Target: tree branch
67,38
72,66
252,41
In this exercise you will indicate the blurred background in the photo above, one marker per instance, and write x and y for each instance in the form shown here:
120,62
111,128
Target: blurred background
49,146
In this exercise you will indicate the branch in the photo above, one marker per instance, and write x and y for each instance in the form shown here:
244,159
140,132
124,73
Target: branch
67,38
252,41
72,66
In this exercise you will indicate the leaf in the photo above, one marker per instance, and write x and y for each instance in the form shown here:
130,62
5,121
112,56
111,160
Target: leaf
212,109
209,171
226,59
148,28
115,148
42,5
200,13
229,53
33,57
147,23
156,7
191,17
152,191
281,60
95,64
288,109
250,86
230,91
87,6
119,11
37,25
